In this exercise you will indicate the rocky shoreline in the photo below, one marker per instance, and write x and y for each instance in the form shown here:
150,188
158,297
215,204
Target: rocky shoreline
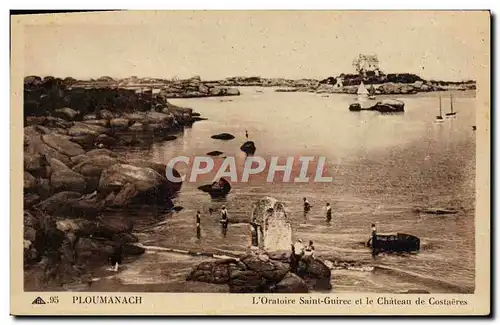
77,191
185,88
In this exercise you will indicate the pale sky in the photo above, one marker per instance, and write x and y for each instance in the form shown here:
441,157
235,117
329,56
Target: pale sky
215,45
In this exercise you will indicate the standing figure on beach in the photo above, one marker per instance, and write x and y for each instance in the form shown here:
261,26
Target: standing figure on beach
374,240
198,225
246,134
307,206
297,252
224,220
256,232
328,210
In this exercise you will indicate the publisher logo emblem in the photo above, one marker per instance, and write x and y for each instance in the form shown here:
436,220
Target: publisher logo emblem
38,301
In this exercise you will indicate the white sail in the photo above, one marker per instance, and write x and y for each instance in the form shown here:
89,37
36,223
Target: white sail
362,89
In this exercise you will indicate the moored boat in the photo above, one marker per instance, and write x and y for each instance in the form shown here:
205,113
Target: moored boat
217,189
399,242
451,113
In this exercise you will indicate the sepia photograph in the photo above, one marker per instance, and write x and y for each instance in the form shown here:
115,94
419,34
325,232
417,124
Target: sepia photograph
257,152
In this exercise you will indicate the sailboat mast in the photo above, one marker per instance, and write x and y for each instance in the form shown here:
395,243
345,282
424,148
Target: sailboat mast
440,113
451,103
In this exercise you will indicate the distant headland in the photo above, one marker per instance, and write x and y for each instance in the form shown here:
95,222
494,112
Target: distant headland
366,67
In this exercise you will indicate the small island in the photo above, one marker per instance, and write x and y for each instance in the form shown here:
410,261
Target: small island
367,71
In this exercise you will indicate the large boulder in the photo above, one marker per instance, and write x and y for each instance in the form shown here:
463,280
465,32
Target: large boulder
160,169
81,129
148,185
63,144
248,281
157,167
316,274
65,179
100,249
116,224
66,113
114,228
119,175
291,283
93,166
119,123
34,162
125,196
271,270
69,204
79,159
160,118
218,271
37,147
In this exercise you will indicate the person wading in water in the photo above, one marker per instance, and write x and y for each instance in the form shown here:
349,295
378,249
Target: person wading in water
224,220
328,209
374,240
198,225
246,134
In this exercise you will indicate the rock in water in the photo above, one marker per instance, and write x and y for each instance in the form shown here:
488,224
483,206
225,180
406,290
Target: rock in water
214,153
248,147
223,136
160,169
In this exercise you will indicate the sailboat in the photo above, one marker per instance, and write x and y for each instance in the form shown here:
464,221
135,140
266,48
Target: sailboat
362,91
371,92
451,113
439,118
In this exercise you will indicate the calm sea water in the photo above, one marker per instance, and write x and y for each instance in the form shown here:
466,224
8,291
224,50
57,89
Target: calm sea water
383,166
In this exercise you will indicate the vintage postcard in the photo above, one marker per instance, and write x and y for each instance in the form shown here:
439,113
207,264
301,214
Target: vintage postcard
250,163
